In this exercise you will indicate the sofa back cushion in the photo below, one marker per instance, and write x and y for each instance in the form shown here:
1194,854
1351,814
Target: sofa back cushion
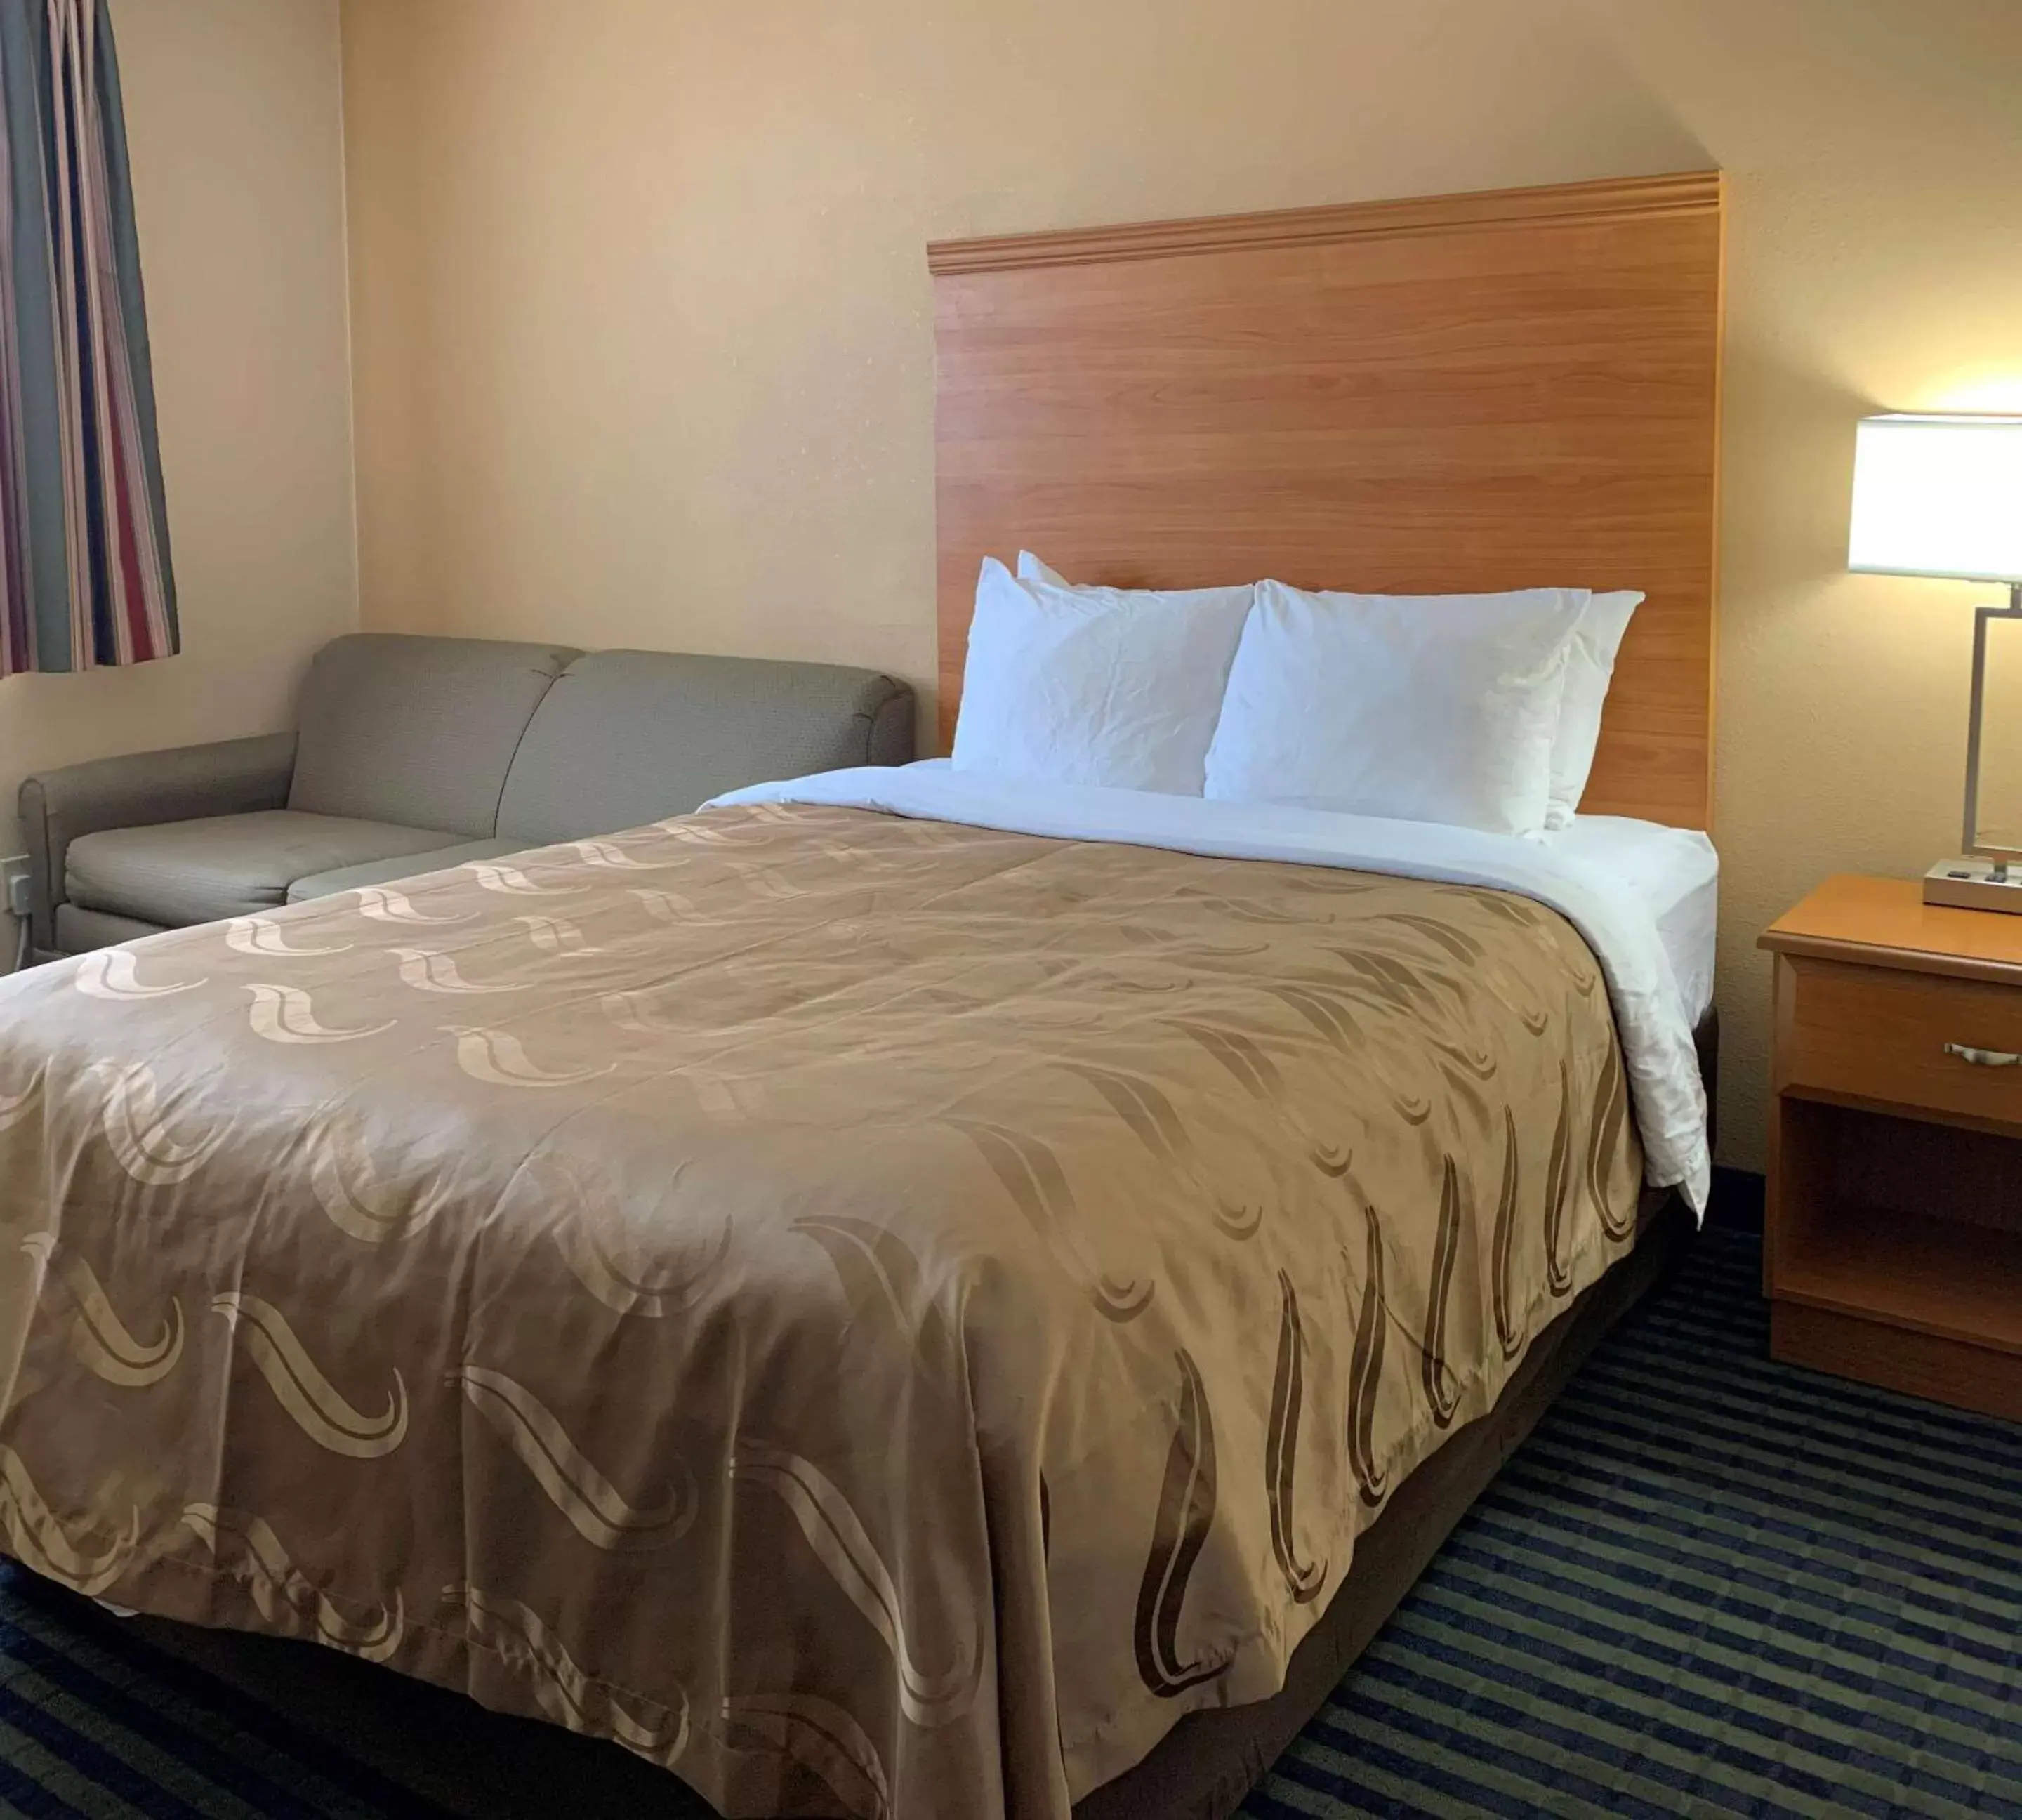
628,737
419,732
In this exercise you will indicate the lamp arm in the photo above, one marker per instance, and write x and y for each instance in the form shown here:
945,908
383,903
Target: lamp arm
1985,616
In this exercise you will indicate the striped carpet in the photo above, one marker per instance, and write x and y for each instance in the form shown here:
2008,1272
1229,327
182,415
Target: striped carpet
1707,1585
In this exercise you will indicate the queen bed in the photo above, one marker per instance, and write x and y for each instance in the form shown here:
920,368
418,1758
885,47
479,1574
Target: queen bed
903,1294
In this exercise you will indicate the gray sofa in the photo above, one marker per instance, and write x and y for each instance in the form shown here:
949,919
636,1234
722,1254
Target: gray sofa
416,754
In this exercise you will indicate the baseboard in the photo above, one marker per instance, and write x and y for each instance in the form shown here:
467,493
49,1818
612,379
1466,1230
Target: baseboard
1736,1204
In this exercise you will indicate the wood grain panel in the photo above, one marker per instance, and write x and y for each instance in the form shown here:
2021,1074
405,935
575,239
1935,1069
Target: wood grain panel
1886,922
1878,1034
1917,1364
1455,395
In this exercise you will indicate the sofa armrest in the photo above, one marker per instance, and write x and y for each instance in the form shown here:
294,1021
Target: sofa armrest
232,777
893,727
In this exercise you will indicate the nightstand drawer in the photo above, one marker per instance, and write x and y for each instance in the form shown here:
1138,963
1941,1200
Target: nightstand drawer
1895,1037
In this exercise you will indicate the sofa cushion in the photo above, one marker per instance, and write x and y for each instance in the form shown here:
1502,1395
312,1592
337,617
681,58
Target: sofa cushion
391,872
416,732
182,872
627,737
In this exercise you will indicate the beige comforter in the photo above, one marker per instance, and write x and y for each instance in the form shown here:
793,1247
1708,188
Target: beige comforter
879,1316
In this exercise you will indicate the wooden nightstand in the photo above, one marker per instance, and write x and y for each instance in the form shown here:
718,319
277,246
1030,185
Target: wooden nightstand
1894,1246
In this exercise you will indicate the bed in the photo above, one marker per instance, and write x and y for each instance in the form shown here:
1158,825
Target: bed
895,1296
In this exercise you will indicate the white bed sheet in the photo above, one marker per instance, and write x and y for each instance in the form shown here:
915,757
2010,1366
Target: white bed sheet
1675,871
1616,920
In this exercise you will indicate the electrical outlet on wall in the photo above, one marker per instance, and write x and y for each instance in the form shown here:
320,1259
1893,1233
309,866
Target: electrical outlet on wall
14,875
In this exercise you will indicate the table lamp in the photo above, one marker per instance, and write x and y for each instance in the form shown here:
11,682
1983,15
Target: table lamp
1943,496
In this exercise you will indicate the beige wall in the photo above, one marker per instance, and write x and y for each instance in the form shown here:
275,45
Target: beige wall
234,120
644,350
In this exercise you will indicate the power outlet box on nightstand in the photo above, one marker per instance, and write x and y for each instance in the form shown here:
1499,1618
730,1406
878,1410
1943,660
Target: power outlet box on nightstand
1975,885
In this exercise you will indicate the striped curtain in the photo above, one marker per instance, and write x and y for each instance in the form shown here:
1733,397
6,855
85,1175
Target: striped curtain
85,577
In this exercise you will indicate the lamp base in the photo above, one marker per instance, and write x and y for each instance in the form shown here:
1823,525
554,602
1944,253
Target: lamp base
1974,884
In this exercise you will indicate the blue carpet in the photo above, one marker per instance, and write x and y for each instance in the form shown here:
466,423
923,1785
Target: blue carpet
1707,1585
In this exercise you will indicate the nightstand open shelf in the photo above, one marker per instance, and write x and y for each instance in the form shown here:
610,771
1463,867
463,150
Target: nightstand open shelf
1952,1278
1899,1221
1947,1277
1893,1247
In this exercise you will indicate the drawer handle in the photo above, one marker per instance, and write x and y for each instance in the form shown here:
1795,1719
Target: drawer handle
1984,1058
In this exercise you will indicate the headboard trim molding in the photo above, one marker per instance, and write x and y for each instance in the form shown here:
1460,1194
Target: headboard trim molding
1685,192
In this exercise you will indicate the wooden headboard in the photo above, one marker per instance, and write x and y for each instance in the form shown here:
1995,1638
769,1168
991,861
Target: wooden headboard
1465,393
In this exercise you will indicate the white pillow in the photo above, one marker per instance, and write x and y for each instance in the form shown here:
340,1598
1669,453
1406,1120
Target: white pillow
1095,686
1438,708
1235,600
1590,669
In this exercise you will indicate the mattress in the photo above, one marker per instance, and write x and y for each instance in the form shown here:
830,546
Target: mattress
1674,873
874,1313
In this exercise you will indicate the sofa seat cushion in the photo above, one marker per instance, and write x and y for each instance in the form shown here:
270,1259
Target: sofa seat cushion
183,872
392,871
82,931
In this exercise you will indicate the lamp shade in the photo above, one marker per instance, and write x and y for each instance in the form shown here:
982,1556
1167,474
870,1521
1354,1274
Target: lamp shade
1938,496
